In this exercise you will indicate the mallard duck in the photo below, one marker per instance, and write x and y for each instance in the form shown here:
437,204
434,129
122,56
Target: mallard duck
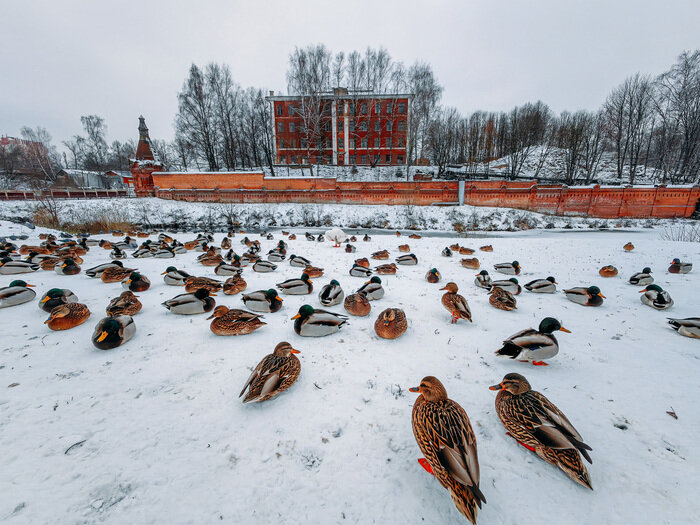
548,285
483,280
414,236
502,299
96,271
364,262
143,253
313,271
628,247
656,297
234,285
689,327
174,277
273,375
309,322
386,269
234,322
115,274
608,271
366,238
198,302
455,303
226,243
309,237
680,267
454,247
463,250
292,237
192,284
67,267
66,316
590,296
225,269
301,262
398,233
446,439
391,323
380,255
301,286
263,301
537,424
331,294
532,345
211,260
404,248
353,239
105,245
8,266
117,233
117,253
472,264
446,252
360,271
486,248
136,282
275,256
512,268
407,260
642,278
264,266
511,285
357,304
178,249
49,263
18,292
165,253
113,331
372,289
433,276
126,304
349,248
56,297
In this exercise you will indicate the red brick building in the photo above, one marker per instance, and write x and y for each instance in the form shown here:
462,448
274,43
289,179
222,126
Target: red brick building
343,128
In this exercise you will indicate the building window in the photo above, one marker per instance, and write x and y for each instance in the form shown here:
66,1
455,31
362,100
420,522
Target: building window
291,110
376,142
363,159
363,108
377,107
291,127
303,143
340,109
352,125
327,126
401,143
280,127
340,143
364,142
294,159
389,125
402,125
278,109
329,159
363,125
351,107
388,159
388,142
352,143
399,159
402,107
389,107
352,159
340,125
377,159
377,125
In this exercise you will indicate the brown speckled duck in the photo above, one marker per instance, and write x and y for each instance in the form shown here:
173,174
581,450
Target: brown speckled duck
386,269
234,321
234,285
67,316
455,303
273,375
502,299
192,284
357,304
391,323
126,304
608,271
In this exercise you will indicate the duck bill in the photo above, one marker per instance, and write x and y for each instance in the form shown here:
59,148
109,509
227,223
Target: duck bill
443,288
164,273
48,320
210,317
499,386
102,337
45,299
278,298
30,285
297,316
642,291
295,351
600,294
565,330
414,389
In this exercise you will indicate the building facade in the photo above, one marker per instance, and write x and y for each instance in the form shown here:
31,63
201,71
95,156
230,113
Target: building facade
343,128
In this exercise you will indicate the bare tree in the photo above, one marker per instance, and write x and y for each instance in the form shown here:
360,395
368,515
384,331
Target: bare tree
40,152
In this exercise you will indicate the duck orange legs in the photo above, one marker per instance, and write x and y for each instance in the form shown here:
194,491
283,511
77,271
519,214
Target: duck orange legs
424,463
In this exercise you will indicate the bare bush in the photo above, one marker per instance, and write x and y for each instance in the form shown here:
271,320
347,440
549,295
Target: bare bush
681,233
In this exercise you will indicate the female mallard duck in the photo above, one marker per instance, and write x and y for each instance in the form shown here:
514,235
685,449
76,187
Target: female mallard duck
373,289
590,296
446,252
689,327
446,439
391,323
414,236
680,267
472,264
9,266
192,284
66,316
292,237
642,278
262,301
483,280
656,297
331,294
264,266
486,248
136,282
386,269
433,276
17,293
463,250
628,247
407,260
49,263
366,238
117,253
96,271
502,299
226,243
608,271
211,260
273,375
364,262
353,239
532,345
537,424
313,271
126,304
301,286
309,322
67,267
548,285
360,271
403,248
380,255
301,262
349,248
198,302
174,277
234,285
226,270
115,274
56,297
511,285
357,304
511,268
456,304
234,322
113,331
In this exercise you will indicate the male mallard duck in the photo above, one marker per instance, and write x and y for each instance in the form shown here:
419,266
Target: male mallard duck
472,264
331,294
349,248
136,282
313,271
264,266
373,289
115,274
263,301
275,256
689,327
433,276
391,323
386,269
192,284
56,297
502,299
117,253
301,286
9,266
680,267
463,250
656,297
403,248
126,304
66,316
234,322
483,280
357,304
67,267
533,345
456,304
628,247
364,262
113,331
165,253
608,271
366,238
486,248
512,268
198,302
548,285
380,255
301,262
143,253
17,293
511,285
273,375
407,260
96,271
642,278
446,439
446,252
360,271
234,285
309,237
226,270
590,296
309,322
174,277
537,424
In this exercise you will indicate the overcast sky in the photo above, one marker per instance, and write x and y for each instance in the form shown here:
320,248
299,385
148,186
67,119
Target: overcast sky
60,59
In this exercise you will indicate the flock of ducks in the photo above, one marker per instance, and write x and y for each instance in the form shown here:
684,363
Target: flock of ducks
441,426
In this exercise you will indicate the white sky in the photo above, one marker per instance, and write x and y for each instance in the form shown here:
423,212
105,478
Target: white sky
64,58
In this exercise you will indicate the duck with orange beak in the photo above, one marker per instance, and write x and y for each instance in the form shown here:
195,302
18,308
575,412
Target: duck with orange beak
309,322
455,303
590,296
113,331
273,375
532,345
19,292
656,297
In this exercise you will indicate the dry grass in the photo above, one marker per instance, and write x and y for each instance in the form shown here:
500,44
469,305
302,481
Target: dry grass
682,233
91,222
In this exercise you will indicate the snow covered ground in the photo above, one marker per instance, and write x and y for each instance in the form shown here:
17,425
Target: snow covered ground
154,431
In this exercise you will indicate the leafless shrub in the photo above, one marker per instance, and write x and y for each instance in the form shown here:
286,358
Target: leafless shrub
681,233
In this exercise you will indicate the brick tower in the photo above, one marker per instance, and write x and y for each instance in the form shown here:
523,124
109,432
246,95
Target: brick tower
144,164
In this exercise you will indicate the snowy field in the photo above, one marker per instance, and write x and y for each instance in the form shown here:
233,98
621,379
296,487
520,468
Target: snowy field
154,431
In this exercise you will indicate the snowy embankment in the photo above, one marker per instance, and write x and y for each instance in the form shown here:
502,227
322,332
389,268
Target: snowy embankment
154,431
